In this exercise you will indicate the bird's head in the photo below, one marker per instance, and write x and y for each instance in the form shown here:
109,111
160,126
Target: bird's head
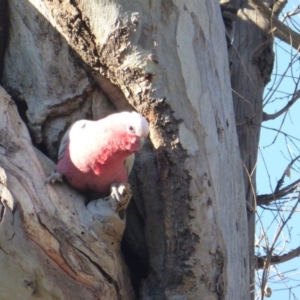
136,130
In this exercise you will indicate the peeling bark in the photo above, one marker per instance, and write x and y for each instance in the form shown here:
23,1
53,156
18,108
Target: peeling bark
74,250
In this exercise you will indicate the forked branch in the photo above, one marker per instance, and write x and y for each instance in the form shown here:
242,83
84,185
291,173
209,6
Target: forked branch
267,198
276,259
267,117
280,30
279,193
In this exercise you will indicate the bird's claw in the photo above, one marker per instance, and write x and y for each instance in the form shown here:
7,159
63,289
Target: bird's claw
122,194
54,177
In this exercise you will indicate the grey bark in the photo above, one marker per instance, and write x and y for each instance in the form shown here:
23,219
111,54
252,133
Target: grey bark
251,62
187,222
3,31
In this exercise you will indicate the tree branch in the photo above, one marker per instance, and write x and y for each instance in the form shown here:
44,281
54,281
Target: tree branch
276,259
286,172
279,193
280,30
268,261
291,13
267,117
267,198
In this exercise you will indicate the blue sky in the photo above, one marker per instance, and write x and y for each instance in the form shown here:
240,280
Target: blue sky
276,152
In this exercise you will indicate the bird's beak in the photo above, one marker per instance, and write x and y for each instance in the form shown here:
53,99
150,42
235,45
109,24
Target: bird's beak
142,141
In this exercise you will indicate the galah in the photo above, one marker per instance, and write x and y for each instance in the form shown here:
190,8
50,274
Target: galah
95,154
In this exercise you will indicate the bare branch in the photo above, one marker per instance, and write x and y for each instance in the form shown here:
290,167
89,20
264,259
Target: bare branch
280,30
279,193
290,14
277,259
268,259
267,117
282,132
267,198
287,169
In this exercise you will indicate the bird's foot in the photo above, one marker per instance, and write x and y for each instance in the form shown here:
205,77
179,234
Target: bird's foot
54,177
121,194
107,215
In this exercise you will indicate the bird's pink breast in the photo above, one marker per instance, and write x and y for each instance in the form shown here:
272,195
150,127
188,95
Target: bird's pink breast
93,175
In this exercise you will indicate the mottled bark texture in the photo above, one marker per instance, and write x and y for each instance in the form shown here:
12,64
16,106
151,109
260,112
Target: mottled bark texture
52,245
186,235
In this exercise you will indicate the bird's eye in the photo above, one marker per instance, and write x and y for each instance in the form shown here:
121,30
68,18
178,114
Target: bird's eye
131,128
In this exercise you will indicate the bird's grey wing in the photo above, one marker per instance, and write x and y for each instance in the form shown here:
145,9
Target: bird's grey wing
129,161
81,124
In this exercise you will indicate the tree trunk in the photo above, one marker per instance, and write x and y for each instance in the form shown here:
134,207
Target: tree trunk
186,235
251,61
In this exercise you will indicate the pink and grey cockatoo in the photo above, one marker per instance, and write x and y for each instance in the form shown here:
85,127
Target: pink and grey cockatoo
95,154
